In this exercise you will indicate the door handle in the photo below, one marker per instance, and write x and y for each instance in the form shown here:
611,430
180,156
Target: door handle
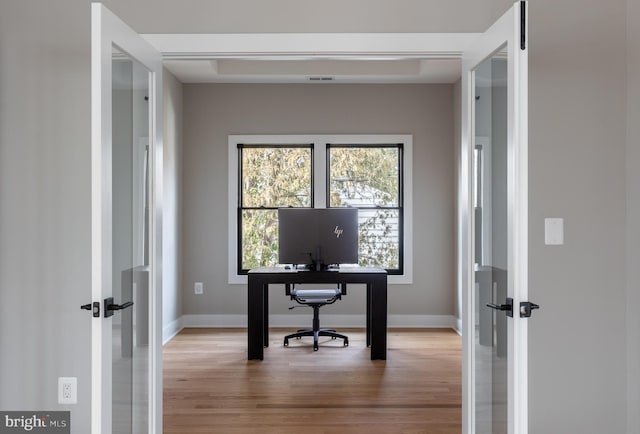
95,306
507,307
110,306
526,307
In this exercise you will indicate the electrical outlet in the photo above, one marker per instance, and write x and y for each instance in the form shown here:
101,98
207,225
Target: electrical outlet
198,288
67,390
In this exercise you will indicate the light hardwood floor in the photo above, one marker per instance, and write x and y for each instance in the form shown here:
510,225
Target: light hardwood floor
210,386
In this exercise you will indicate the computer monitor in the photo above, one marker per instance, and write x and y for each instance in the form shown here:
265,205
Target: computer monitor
318,237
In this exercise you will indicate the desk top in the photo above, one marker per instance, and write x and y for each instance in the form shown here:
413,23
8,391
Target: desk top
341,270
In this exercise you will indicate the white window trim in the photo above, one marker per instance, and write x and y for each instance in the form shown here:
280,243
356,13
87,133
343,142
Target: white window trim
319,169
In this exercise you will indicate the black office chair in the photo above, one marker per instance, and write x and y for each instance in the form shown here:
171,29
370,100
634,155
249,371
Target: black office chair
316,298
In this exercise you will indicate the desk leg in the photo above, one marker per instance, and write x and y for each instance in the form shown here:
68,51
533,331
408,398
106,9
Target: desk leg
255,313
368,315
265,314
378,322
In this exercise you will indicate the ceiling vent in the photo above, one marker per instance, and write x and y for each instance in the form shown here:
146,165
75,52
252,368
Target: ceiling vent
320,78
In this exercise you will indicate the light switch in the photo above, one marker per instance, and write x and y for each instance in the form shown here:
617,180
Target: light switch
554,231
198,288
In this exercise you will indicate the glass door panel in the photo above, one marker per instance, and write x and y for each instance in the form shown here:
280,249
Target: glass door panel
130,132
491,243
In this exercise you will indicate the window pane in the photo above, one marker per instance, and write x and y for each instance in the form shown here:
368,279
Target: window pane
379,244
276,176
259,238
364,176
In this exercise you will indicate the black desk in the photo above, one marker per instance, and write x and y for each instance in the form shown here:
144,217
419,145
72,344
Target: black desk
260,279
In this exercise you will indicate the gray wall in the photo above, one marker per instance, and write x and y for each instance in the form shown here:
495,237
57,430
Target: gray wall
45,232
633,215
457,138
45,204
328,16
172,217
212,112
577,346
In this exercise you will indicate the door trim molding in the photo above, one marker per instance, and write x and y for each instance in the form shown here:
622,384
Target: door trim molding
289,46
340,46
505,30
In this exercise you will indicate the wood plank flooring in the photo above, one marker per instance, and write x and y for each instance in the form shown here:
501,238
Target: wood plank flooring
211,387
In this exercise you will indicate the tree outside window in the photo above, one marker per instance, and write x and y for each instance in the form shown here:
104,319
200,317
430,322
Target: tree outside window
367,177
270,177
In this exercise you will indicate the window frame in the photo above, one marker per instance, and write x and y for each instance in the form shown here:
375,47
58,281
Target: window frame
319,186
399,207
240,204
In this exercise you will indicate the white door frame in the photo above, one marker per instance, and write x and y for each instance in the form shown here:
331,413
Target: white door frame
507,30
308,46
294,46
351,45
108,30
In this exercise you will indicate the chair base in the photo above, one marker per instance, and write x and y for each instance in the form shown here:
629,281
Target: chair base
316,334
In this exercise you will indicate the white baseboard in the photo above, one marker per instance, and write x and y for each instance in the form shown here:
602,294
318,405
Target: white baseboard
233,321
458,327
421,321
169,331
214,321
393,321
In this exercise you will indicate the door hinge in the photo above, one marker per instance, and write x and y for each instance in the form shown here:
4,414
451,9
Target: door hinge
523,25
95,307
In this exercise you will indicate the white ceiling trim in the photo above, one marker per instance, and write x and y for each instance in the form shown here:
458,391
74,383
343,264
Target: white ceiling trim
336,57
285,46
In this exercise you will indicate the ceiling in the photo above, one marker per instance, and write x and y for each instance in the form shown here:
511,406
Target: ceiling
313,57
315,70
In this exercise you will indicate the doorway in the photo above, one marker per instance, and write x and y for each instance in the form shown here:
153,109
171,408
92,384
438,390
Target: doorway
303,105
430,46
332,57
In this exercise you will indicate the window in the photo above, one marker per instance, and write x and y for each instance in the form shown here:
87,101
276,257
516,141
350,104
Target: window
370,178
271,176
371,173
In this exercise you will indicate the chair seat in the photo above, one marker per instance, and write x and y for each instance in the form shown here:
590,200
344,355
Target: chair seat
316,298
313,296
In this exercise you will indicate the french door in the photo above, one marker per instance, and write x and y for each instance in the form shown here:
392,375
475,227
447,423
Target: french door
126,216
126,227
494,227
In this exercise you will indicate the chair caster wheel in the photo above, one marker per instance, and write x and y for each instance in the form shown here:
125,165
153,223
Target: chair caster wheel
315,348
286,343
333,338
346,343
